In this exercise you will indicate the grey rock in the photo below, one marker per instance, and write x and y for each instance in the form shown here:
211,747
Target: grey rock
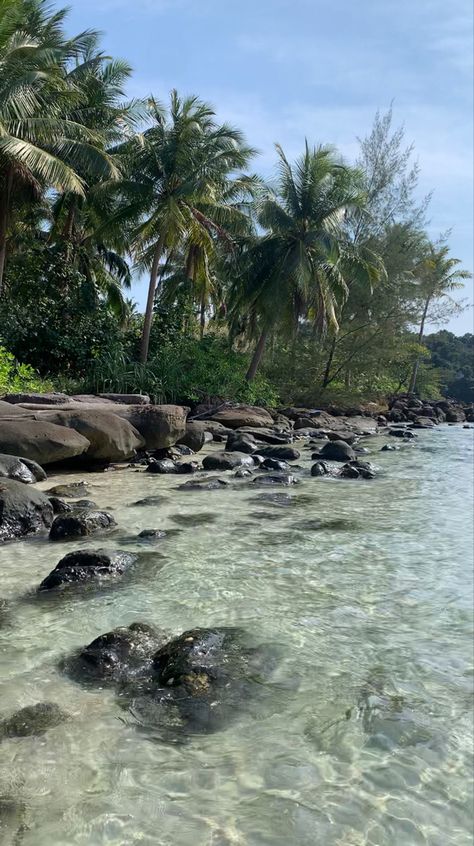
23,510
21,469
226,461
337,451
80,524
32,720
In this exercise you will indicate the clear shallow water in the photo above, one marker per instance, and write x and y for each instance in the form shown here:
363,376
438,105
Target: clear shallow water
364,735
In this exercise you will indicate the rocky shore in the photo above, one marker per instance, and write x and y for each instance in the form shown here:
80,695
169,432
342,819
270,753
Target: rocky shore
200,677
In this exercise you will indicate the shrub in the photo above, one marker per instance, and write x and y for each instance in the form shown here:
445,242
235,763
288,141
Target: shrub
16,377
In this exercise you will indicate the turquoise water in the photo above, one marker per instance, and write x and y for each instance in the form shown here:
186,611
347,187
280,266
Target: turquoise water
364,734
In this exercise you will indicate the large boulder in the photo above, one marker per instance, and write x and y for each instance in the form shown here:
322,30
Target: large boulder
283,453
36,398
244,415
11,412
111,438
127,399
337,451
227,461
241,442
40,440
122,655
23,510
160,425
86,567
80,523
196,435
21,469
455,415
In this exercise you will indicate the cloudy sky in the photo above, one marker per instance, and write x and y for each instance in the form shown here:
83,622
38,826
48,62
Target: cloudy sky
285,69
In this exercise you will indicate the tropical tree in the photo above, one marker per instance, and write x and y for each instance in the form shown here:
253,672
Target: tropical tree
40,146
438,276
183,173
304,262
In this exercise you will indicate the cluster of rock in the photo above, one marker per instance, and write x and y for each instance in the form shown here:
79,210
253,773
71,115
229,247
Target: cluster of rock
406,408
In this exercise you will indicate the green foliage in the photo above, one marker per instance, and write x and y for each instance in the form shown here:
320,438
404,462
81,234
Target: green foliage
453,357
186,371
17,378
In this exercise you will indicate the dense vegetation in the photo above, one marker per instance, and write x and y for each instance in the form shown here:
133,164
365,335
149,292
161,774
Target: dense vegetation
316,286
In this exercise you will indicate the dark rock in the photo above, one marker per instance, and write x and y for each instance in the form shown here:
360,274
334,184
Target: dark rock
70,491
181,449
127,399
279,500
402,433
423,423
21,469
348,437
358,470
275,464
41,399
320,469
211,483
268,436
285,479
32,720
84,503
226,461
59,506
242,473
283,453
23,510
241,442
122,655
196,435
389,448
152,534
336,451
165,466
349,472
303,423
187,467
455,415
80,524
86,566
150,500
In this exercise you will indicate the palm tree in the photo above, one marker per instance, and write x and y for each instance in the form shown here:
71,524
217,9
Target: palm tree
437,276
40,146
182,177
302,265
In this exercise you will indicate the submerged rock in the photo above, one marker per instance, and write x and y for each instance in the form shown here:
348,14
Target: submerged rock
275,464
87,566
199,519
320,469
212,483
165,466
402,433
69,491
286,479
32,720
150,500
152,534
185,467
358,470
80,524
282,453
23,510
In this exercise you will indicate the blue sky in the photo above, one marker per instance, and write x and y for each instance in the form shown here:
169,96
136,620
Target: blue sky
285,69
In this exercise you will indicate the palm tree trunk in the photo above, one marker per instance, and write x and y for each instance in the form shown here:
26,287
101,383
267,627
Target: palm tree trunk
4,214
421,332
145,342
257,356
202,315
327,370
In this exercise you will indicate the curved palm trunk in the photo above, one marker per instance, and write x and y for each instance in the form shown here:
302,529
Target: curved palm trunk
145,342
257,356
202,316
327,370
421,332
4,214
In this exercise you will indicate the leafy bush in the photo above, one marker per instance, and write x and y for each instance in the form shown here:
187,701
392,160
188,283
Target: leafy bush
16,378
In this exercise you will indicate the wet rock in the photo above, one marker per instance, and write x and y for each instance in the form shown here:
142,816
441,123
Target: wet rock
212,483
226,461
199,519
40,441
84,503
243,473
150,500
320,469
455,415
389,448
402,433
152,534
21,469
423,423
283,453
185,467
279,500
69,491
304,423
80,524
122,655
241,442
285,479
357,470
336,451
23,510
59,506
87,566
348,437
165,466
32,720
275,464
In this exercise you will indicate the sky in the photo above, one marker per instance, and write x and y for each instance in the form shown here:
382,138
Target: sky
283,70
